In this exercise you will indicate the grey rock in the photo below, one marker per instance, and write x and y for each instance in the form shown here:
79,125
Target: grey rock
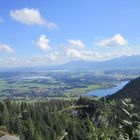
6,137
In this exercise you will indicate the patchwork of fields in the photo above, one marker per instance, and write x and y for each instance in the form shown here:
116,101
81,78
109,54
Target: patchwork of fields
53,84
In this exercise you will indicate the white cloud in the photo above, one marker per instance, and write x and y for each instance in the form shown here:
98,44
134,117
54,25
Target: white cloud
72,53
43,43
122,52
74,50
31,17
6,48
56,58
83,55
76,43
113,41
77,50
55,55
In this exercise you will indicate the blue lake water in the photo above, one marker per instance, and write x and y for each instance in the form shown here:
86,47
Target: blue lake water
106,91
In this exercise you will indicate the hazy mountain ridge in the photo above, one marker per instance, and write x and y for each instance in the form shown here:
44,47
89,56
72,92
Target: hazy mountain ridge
128,62
121,62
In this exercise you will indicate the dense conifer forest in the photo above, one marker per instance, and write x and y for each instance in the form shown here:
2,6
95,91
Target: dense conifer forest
82,119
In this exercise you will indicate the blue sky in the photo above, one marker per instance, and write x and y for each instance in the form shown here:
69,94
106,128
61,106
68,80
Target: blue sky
49,32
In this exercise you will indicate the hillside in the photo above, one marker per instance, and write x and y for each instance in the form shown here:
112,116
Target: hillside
131,90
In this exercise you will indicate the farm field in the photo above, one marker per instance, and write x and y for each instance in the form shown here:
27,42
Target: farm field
57,84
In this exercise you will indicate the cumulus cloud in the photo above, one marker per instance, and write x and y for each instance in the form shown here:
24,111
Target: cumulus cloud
116,40
97,56
31,17
43,43
56,58
73,50
76,50
74,54
76,43
6,48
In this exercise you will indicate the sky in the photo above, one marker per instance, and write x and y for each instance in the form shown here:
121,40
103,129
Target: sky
53,32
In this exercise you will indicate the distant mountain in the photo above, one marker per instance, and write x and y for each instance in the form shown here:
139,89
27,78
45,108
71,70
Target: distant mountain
117,63
122,62
131,90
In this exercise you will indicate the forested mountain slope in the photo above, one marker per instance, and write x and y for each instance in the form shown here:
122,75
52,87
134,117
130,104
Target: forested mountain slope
131,90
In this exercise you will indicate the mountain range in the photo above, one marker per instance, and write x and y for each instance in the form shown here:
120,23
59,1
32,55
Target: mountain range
117,63
124,62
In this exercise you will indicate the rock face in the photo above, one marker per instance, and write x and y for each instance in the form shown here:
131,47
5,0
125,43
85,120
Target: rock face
6,137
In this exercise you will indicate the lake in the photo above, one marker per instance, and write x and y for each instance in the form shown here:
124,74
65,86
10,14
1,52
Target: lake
106,91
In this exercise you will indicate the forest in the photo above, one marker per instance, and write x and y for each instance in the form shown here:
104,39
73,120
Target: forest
113,117
82,119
